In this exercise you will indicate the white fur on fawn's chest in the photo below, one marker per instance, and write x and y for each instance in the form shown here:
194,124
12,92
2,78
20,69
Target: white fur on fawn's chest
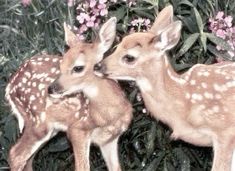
144,84
91,91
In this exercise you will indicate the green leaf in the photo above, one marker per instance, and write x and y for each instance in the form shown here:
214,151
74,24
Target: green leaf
186,2
152,2
203,39
189,23
188,44
155,162
183,159
220,54
219,41
120,13
198,20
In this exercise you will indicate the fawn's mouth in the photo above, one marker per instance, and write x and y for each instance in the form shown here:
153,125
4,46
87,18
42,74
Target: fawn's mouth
118,77
100,74
56,96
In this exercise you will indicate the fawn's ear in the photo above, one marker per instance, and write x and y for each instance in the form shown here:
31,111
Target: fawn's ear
164,18
168,38
70,38
107,34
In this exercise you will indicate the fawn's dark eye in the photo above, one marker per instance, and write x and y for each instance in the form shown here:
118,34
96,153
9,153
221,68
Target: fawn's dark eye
77,69
128,59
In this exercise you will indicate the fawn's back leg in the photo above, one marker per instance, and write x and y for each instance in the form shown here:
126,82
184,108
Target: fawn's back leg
29,164
31,140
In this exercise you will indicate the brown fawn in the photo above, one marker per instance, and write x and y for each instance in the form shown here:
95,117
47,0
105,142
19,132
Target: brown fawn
99,116
198,105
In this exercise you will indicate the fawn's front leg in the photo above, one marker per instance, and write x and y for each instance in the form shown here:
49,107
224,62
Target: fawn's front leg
223,153
29,164
80,141
110,154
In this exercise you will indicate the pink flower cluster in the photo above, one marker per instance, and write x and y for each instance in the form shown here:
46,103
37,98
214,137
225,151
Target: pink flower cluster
222,27
140,24
89,15
26,2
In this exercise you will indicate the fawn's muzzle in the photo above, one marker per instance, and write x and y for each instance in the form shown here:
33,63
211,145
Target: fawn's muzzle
100,67
54,88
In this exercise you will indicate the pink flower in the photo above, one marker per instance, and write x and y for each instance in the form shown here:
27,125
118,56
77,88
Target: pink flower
231,53
134,22
26,2
146,22
220,15
81,37
93,3
228,20
70,3
221,33
140,23
222,27
83,28
81,18
96,11
97,23
102,1
90,21
103,10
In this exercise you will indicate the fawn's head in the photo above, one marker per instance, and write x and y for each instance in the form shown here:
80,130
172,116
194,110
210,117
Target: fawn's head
78,62
136,51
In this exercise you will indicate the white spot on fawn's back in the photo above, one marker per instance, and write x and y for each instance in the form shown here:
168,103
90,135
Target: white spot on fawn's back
43,116
24,80
32,98
53,70
41,86
55,59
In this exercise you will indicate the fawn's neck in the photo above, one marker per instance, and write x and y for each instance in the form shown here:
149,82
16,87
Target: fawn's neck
162,88
103,91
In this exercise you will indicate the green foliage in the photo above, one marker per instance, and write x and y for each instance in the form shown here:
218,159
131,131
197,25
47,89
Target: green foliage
25,31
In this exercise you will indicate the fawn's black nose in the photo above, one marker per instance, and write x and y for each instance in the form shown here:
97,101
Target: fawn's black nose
100,67
54,88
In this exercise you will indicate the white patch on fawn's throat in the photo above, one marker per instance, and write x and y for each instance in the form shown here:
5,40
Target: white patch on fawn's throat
144,84
91,91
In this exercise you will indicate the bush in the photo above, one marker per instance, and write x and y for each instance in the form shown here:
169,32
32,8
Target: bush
28,29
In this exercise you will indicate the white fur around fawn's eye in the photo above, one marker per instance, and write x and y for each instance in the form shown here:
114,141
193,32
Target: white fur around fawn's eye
79,61
133,52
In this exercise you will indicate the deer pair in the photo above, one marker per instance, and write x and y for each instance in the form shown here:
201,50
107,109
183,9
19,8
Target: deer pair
197,105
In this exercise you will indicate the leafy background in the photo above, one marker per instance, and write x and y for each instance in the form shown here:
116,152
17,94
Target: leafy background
25,31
